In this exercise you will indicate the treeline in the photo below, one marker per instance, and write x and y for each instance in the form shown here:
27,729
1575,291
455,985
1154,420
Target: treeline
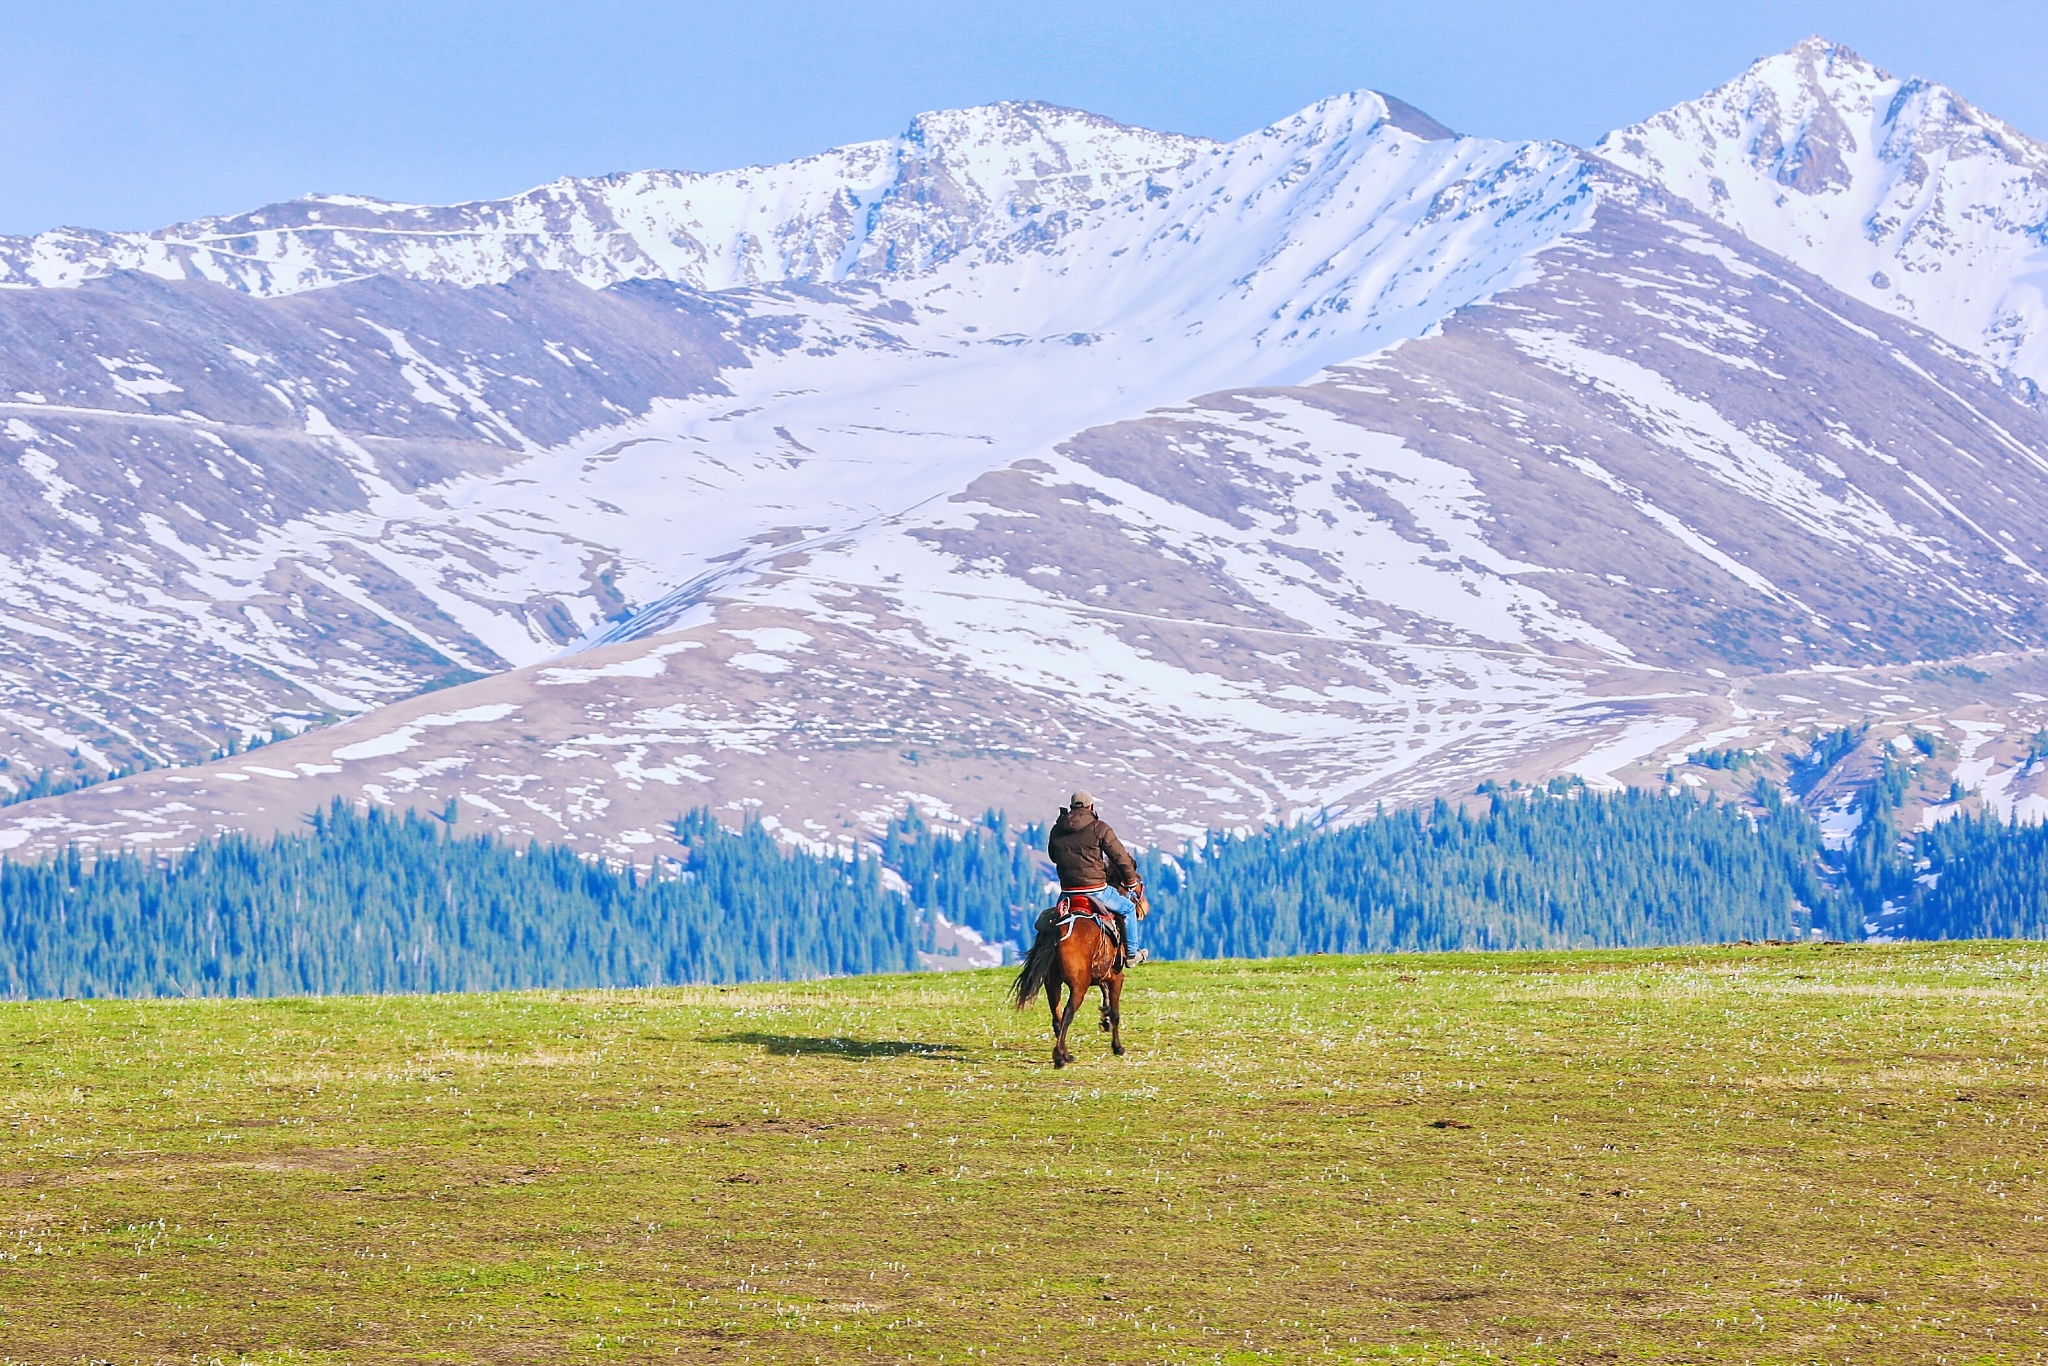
1557,866
380,902
1549,870
55,782
1975,877
375,902
1969,877
988,877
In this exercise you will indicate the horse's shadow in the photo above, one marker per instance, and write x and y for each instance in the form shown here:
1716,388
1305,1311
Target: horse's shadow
789,1045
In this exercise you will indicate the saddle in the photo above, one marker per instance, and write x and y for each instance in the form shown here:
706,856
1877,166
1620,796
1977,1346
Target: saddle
1075,906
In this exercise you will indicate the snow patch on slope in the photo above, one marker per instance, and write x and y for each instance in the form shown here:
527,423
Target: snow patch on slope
408,736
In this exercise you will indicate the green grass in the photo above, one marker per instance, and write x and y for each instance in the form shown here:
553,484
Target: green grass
1795,1154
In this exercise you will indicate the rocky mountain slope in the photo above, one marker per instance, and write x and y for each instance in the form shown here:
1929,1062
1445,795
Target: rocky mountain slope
1352,461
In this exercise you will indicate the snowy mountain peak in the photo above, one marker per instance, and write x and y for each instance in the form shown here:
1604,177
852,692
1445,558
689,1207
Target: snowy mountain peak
997,146
1357,113
866,210
1899,192
1002,177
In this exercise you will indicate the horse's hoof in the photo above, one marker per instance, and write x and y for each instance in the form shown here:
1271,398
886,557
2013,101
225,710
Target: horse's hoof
1058,1061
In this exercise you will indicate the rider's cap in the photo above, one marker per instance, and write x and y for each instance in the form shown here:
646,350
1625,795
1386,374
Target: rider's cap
1082,799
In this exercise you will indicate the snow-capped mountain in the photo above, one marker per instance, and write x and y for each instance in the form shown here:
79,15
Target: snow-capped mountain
317,487
1348,461
1897,192
1001,174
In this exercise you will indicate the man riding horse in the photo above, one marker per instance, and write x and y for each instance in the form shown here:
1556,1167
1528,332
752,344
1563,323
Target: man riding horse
1083,942
1093,863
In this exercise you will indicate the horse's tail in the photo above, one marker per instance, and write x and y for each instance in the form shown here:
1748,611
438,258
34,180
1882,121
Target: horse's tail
1037,967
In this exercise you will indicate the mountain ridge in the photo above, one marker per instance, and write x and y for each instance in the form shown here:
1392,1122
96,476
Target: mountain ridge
814,218
1007,173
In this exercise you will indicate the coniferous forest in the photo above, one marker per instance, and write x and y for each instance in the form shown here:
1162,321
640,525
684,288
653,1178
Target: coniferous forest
381,902
1590,870
989,878
1982,879
377,902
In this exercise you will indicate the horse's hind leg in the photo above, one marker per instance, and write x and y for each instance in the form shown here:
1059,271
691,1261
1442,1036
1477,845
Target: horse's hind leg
1113,1004
1053,983
1066,1021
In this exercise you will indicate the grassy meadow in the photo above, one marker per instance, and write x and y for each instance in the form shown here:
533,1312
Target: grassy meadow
1790,1154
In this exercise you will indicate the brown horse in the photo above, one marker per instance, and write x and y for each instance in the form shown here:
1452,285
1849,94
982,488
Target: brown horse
1073,952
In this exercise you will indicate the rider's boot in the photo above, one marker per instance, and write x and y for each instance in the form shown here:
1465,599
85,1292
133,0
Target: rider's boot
1123,940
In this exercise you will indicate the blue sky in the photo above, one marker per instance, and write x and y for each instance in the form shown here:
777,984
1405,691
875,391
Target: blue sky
135,114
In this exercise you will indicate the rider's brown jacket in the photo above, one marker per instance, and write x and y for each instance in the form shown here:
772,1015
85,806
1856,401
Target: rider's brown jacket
1087,852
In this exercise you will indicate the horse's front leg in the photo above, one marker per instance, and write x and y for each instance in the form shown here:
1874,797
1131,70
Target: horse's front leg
1113,1002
